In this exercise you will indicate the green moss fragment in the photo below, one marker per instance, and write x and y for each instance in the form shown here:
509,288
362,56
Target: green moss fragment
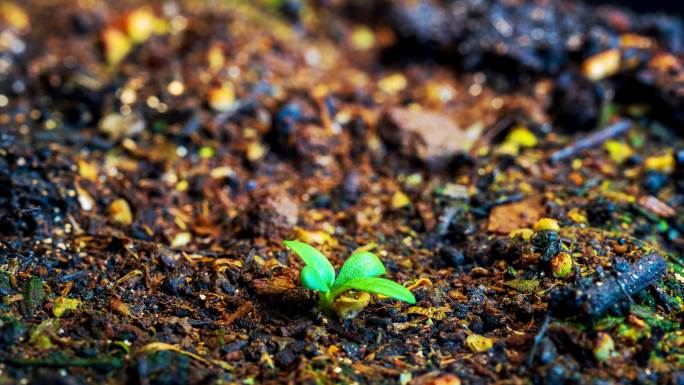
654,320
60,359
523,285
63,304
34,294
608,322
40,336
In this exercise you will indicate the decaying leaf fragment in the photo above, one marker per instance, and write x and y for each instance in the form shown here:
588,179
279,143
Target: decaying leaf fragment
478,343
154,347
63,304
508,217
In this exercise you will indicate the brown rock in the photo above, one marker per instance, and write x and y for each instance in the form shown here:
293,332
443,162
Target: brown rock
505,218
429,136
317,145
272,213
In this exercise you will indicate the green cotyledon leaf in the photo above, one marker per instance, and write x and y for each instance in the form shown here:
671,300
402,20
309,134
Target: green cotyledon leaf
375,285
312,280
360,265
319,264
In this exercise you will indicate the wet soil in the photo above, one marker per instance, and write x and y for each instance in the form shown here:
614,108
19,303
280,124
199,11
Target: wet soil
517,165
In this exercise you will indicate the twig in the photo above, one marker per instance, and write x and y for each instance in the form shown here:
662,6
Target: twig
242,310
538,338
592,140
595,300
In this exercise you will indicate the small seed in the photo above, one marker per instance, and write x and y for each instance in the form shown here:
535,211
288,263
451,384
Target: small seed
561,265
604,347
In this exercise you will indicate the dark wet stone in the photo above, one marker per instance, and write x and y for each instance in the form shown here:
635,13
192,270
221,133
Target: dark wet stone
548,243
163,368
654,181
10,331
450,256
289,355
173,285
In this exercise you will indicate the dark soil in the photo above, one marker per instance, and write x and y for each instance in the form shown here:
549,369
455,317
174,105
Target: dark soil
518,165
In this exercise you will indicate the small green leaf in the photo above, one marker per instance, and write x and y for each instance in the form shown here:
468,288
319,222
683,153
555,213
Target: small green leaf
312,280
375,285
314,258
360,265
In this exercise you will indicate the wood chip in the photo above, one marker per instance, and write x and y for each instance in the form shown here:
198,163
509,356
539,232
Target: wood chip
656,206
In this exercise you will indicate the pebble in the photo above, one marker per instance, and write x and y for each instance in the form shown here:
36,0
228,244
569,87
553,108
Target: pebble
430,136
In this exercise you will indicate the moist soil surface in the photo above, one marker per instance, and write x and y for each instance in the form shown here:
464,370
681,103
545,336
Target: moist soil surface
517,165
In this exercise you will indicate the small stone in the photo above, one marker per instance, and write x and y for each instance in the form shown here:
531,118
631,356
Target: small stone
393,84
430,136
399,200
140,24
317,145
181,239
602,65
222,98
272,212
363,38
170,259
84,199
255,151
118,126
120,212
176,87
548,243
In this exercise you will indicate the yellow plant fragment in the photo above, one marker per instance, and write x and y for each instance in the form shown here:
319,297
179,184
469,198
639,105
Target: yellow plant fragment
63,304
478,343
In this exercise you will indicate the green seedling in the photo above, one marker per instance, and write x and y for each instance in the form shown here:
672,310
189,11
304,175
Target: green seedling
359,272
